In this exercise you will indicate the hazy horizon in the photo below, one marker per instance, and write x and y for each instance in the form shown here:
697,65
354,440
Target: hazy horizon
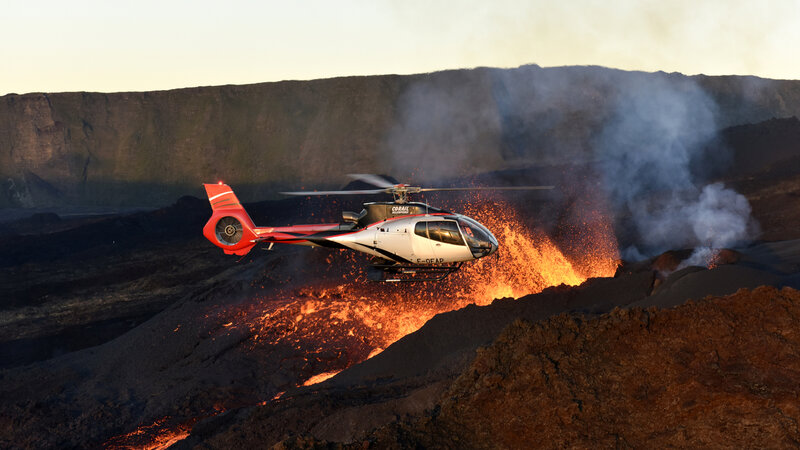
95,46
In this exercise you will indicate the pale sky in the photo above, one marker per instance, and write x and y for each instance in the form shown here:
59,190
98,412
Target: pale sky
111,46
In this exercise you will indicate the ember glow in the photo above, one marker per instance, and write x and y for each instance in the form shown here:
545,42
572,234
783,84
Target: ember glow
340,322
529,261
159,435
319,378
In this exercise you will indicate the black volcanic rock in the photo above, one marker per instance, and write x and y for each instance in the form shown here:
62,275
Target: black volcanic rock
449,340
407,385
772,145
764,165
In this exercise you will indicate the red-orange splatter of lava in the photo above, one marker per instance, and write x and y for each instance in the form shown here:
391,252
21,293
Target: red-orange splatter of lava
358,319
159,435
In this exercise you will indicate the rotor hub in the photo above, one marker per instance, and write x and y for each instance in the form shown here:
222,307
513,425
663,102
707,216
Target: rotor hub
400,192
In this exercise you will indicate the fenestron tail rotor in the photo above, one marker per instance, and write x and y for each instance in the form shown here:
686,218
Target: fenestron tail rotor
229,230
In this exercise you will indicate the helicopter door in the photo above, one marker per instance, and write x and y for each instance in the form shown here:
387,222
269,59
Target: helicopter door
393,238
447,243
421,246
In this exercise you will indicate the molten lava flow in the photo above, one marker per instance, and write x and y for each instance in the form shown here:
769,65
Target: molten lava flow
159,435
337,324
319,378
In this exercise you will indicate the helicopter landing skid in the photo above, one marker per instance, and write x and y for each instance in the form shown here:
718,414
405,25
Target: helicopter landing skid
406,273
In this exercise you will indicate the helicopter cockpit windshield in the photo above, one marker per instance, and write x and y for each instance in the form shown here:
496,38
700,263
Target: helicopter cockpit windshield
480,240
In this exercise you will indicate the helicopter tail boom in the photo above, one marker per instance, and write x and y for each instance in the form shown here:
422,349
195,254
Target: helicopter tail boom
231,228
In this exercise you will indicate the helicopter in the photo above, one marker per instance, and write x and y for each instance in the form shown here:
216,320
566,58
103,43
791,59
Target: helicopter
409,241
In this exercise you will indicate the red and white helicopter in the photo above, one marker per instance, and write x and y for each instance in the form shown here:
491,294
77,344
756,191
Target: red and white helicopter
410,241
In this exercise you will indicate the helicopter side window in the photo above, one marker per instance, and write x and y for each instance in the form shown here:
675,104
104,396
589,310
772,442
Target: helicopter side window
445,231
421,229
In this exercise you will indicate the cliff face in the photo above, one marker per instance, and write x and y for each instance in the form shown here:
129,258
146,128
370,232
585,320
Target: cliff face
127,148
148,148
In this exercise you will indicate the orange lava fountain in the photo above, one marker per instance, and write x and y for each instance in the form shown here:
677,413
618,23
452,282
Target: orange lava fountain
529,261
345,322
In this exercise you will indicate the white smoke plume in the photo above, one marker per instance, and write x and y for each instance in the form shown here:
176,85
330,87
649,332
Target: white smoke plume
660,129
440,133
646,135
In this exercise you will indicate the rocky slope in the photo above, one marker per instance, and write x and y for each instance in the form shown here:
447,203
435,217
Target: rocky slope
148,148
626,377
721,372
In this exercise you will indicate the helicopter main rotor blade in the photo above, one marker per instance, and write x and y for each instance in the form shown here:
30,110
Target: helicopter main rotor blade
359,192
491,188
374,180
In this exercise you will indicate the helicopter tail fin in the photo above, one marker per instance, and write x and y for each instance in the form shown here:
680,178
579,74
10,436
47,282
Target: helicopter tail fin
230,227
221,196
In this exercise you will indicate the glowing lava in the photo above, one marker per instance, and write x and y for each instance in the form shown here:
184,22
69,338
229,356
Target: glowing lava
319,378
156,436
337,324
